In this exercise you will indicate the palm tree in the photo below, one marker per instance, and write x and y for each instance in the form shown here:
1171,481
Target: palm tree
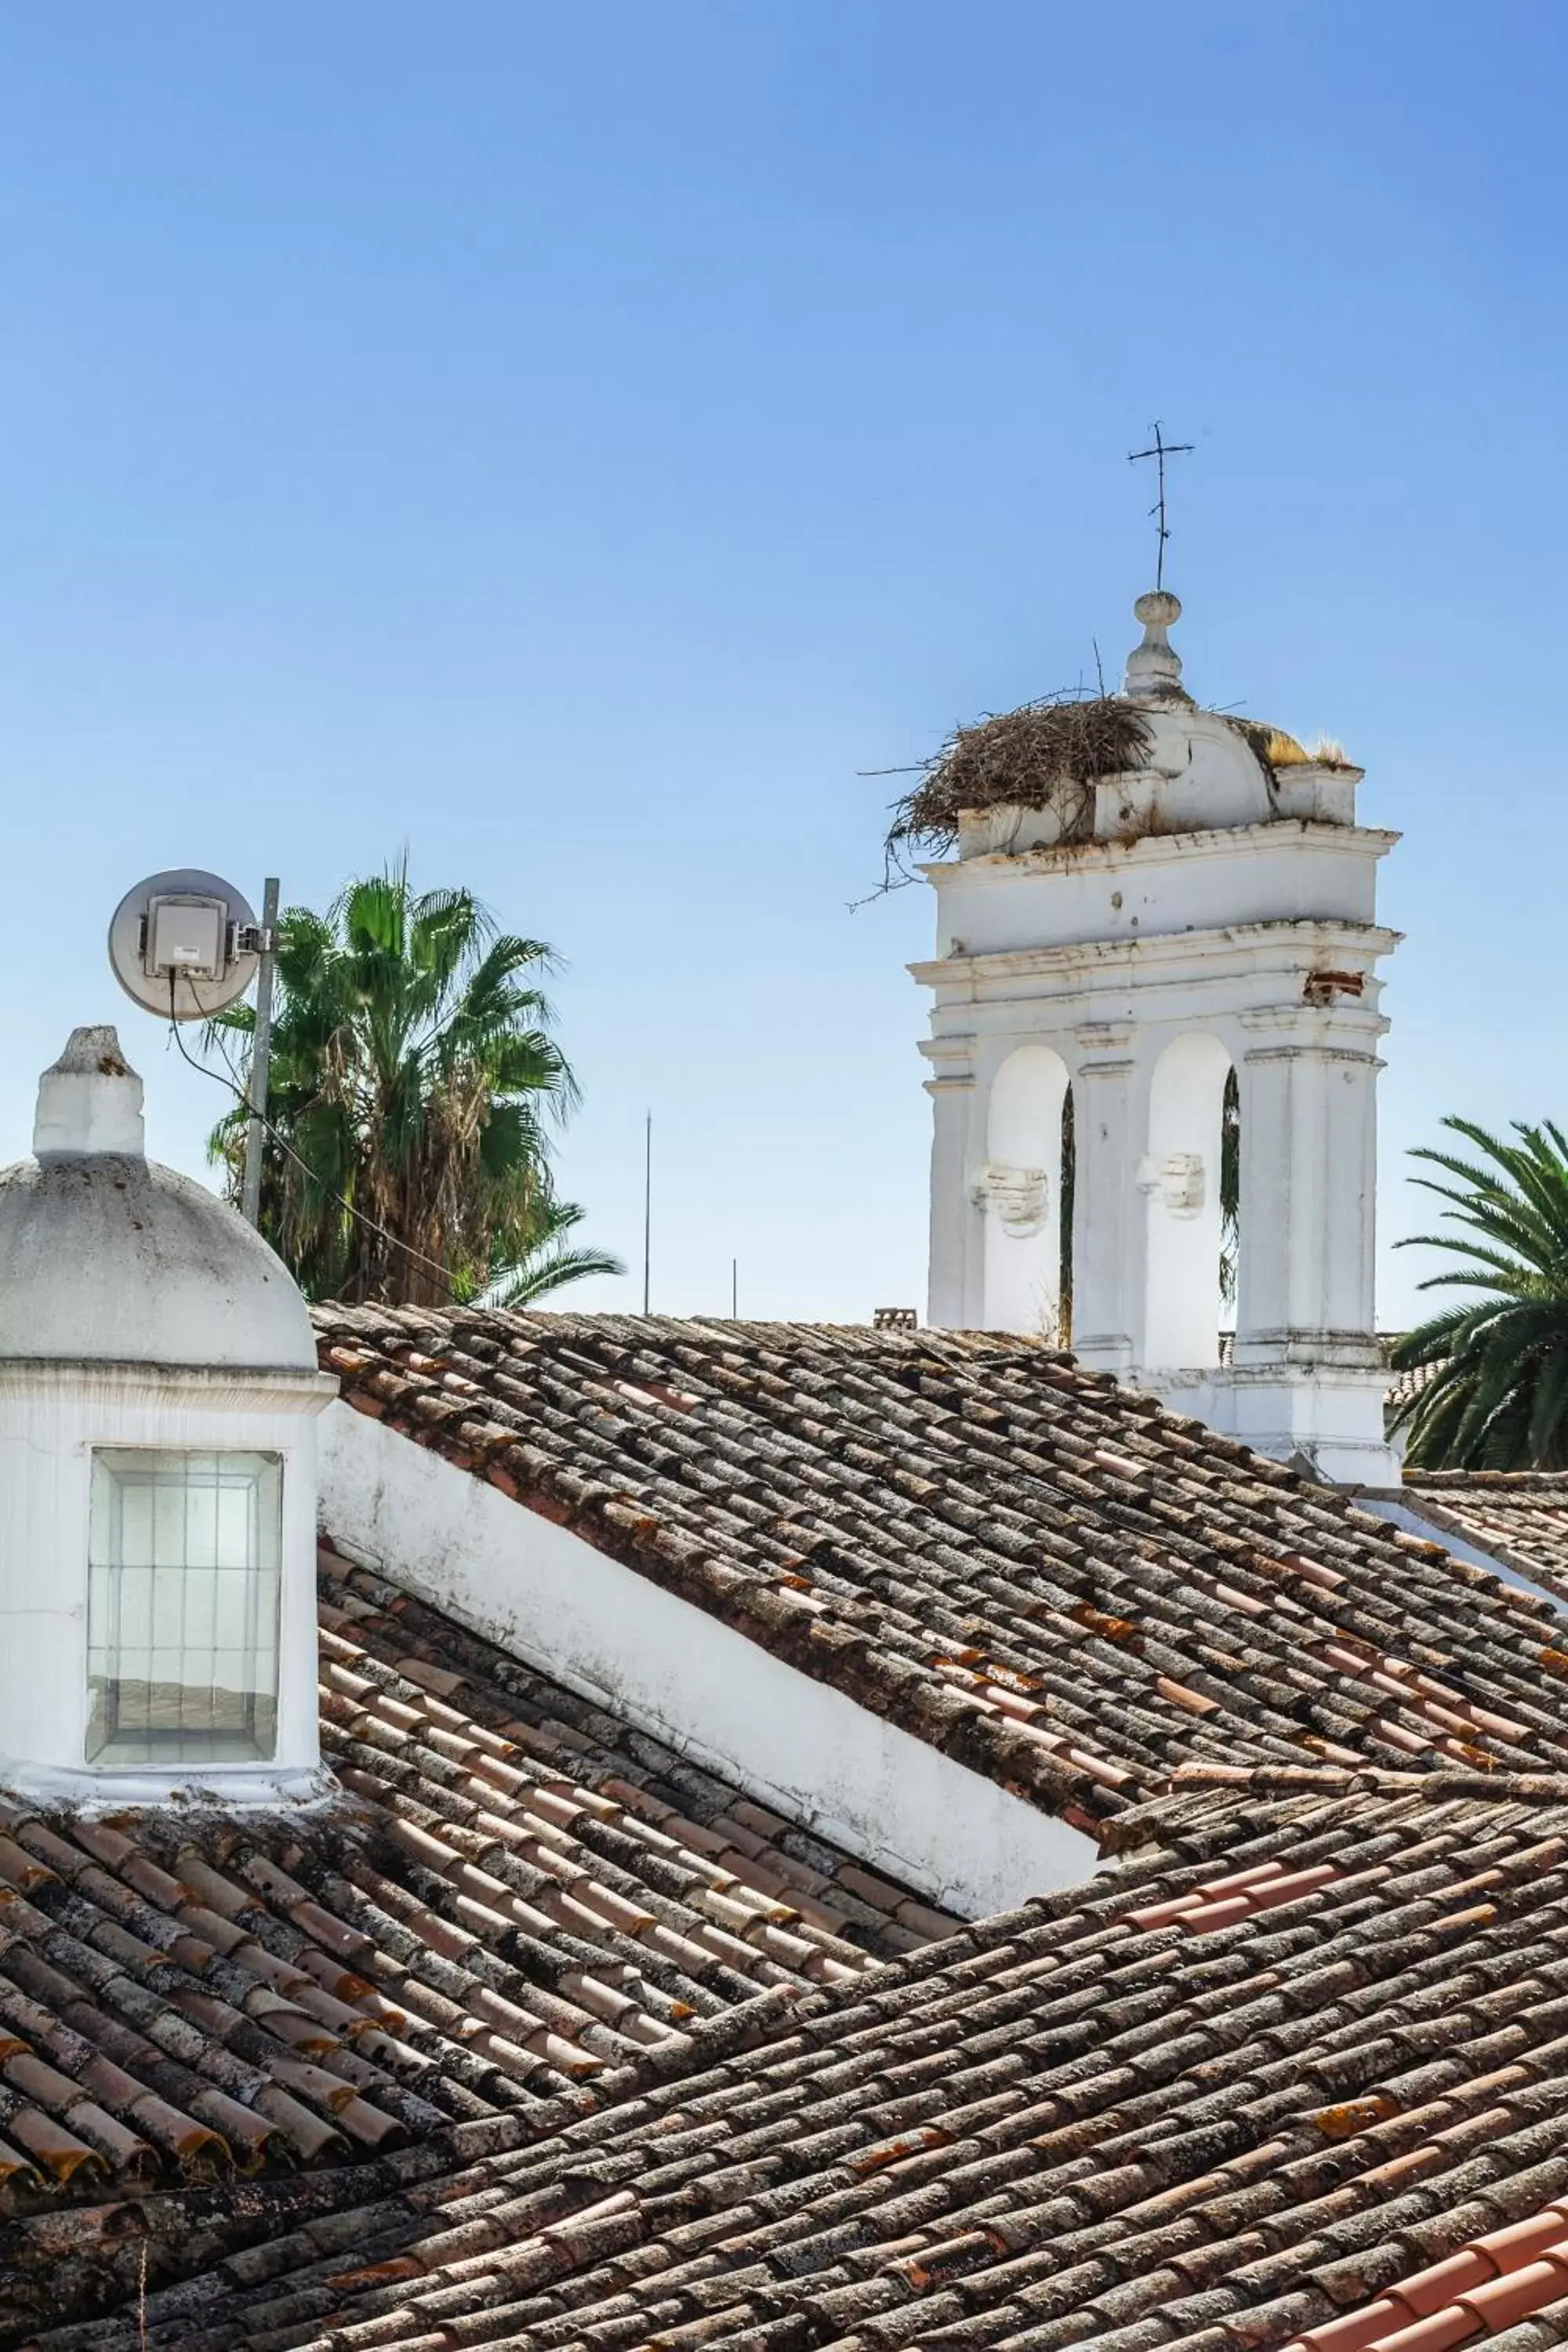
1496,1394
413,1085
549,1262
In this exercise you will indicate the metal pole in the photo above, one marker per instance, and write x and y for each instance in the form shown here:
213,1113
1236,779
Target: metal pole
646,1209
260,1056
735,1290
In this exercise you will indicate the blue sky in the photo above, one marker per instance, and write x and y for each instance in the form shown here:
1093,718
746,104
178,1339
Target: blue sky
571,442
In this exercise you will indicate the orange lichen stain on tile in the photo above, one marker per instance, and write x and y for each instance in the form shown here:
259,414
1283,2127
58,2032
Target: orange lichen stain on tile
398,2266
1330,1749
1555,1661
1352,2115
1011,1678
895,2151
953,2259
1479,1915
1467,1752
1109,1629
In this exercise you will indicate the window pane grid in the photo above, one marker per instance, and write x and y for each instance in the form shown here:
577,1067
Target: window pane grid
183,1604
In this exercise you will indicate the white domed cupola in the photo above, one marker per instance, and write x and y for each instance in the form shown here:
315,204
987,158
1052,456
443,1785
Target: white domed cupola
158,1399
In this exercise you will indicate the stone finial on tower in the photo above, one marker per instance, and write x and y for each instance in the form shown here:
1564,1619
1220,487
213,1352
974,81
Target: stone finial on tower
1154,666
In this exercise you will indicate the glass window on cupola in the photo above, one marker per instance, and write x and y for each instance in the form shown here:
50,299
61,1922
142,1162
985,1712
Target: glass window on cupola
183,1607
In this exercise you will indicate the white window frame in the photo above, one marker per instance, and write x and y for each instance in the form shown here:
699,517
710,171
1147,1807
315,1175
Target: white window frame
184,1603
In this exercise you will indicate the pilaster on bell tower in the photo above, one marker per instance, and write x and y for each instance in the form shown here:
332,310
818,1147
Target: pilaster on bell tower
1187,950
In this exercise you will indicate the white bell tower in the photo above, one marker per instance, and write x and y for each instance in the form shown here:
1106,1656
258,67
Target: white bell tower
1210,911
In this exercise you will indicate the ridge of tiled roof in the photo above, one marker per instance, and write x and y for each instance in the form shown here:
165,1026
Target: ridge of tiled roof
1197,1815
1519,1516
1050,1577
521,1904
1300,2088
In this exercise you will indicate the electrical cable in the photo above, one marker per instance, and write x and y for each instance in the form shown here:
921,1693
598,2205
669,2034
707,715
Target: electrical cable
226,1077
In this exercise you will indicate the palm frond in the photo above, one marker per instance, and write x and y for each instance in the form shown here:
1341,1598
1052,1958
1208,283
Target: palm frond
1497,1397
416,1075
535,1278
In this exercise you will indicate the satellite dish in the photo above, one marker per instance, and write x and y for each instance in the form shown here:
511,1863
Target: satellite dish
185,944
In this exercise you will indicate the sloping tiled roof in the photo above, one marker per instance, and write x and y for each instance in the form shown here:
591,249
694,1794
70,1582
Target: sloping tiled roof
1404,1387
1048,1577
1305,2084
624,1838
1519,1516
522,1902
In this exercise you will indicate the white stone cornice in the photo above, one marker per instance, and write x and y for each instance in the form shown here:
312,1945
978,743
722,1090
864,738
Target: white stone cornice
1310,1020
1314,1050
1151,851
168,1387
1237,946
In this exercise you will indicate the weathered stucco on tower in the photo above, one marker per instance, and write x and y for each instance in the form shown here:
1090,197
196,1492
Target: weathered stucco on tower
1210,911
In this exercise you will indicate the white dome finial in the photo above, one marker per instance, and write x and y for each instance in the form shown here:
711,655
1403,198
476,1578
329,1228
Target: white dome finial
1154,666
89,1101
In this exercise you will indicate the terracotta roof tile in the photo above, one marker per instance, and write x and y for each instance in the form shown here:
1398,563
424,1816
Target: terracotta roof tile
549,2040
1520,1517
1022,1563
522,1903
1080,2122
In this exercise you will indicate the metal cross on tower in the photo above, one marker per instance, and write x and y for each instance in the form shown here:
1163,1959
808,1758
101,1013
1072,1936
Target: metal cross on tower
1160,449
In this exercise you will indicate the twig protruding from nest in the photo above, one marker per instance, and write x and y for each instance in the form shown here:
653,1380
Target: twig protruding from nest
1047,754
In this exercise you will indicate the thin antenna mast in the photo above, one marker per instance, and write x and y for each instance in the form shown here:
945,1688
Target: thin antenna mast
735,1290
646,1209
260,1056
1160,449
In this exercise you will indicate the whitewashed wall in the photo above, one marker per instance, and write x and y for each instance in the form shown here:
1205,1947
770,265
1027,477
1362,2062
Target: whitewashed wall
666,1667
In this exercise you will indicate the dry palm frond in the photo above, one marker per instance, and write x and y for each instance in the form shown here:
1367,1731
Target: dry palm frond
1047,754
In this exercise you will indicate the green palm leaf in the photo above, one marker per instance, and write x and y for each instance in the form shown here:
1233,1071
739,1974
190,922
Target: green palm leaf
1497,1398
551,1264
416,1082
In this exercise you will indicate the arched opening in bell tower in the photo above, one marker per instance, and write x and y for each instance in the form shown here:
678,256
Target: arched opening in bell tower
1181,1178
1020,1192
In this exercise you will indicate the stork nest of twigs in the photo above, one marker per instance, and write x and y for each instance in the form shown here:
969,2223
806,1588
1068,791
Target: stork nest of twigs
1046,755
